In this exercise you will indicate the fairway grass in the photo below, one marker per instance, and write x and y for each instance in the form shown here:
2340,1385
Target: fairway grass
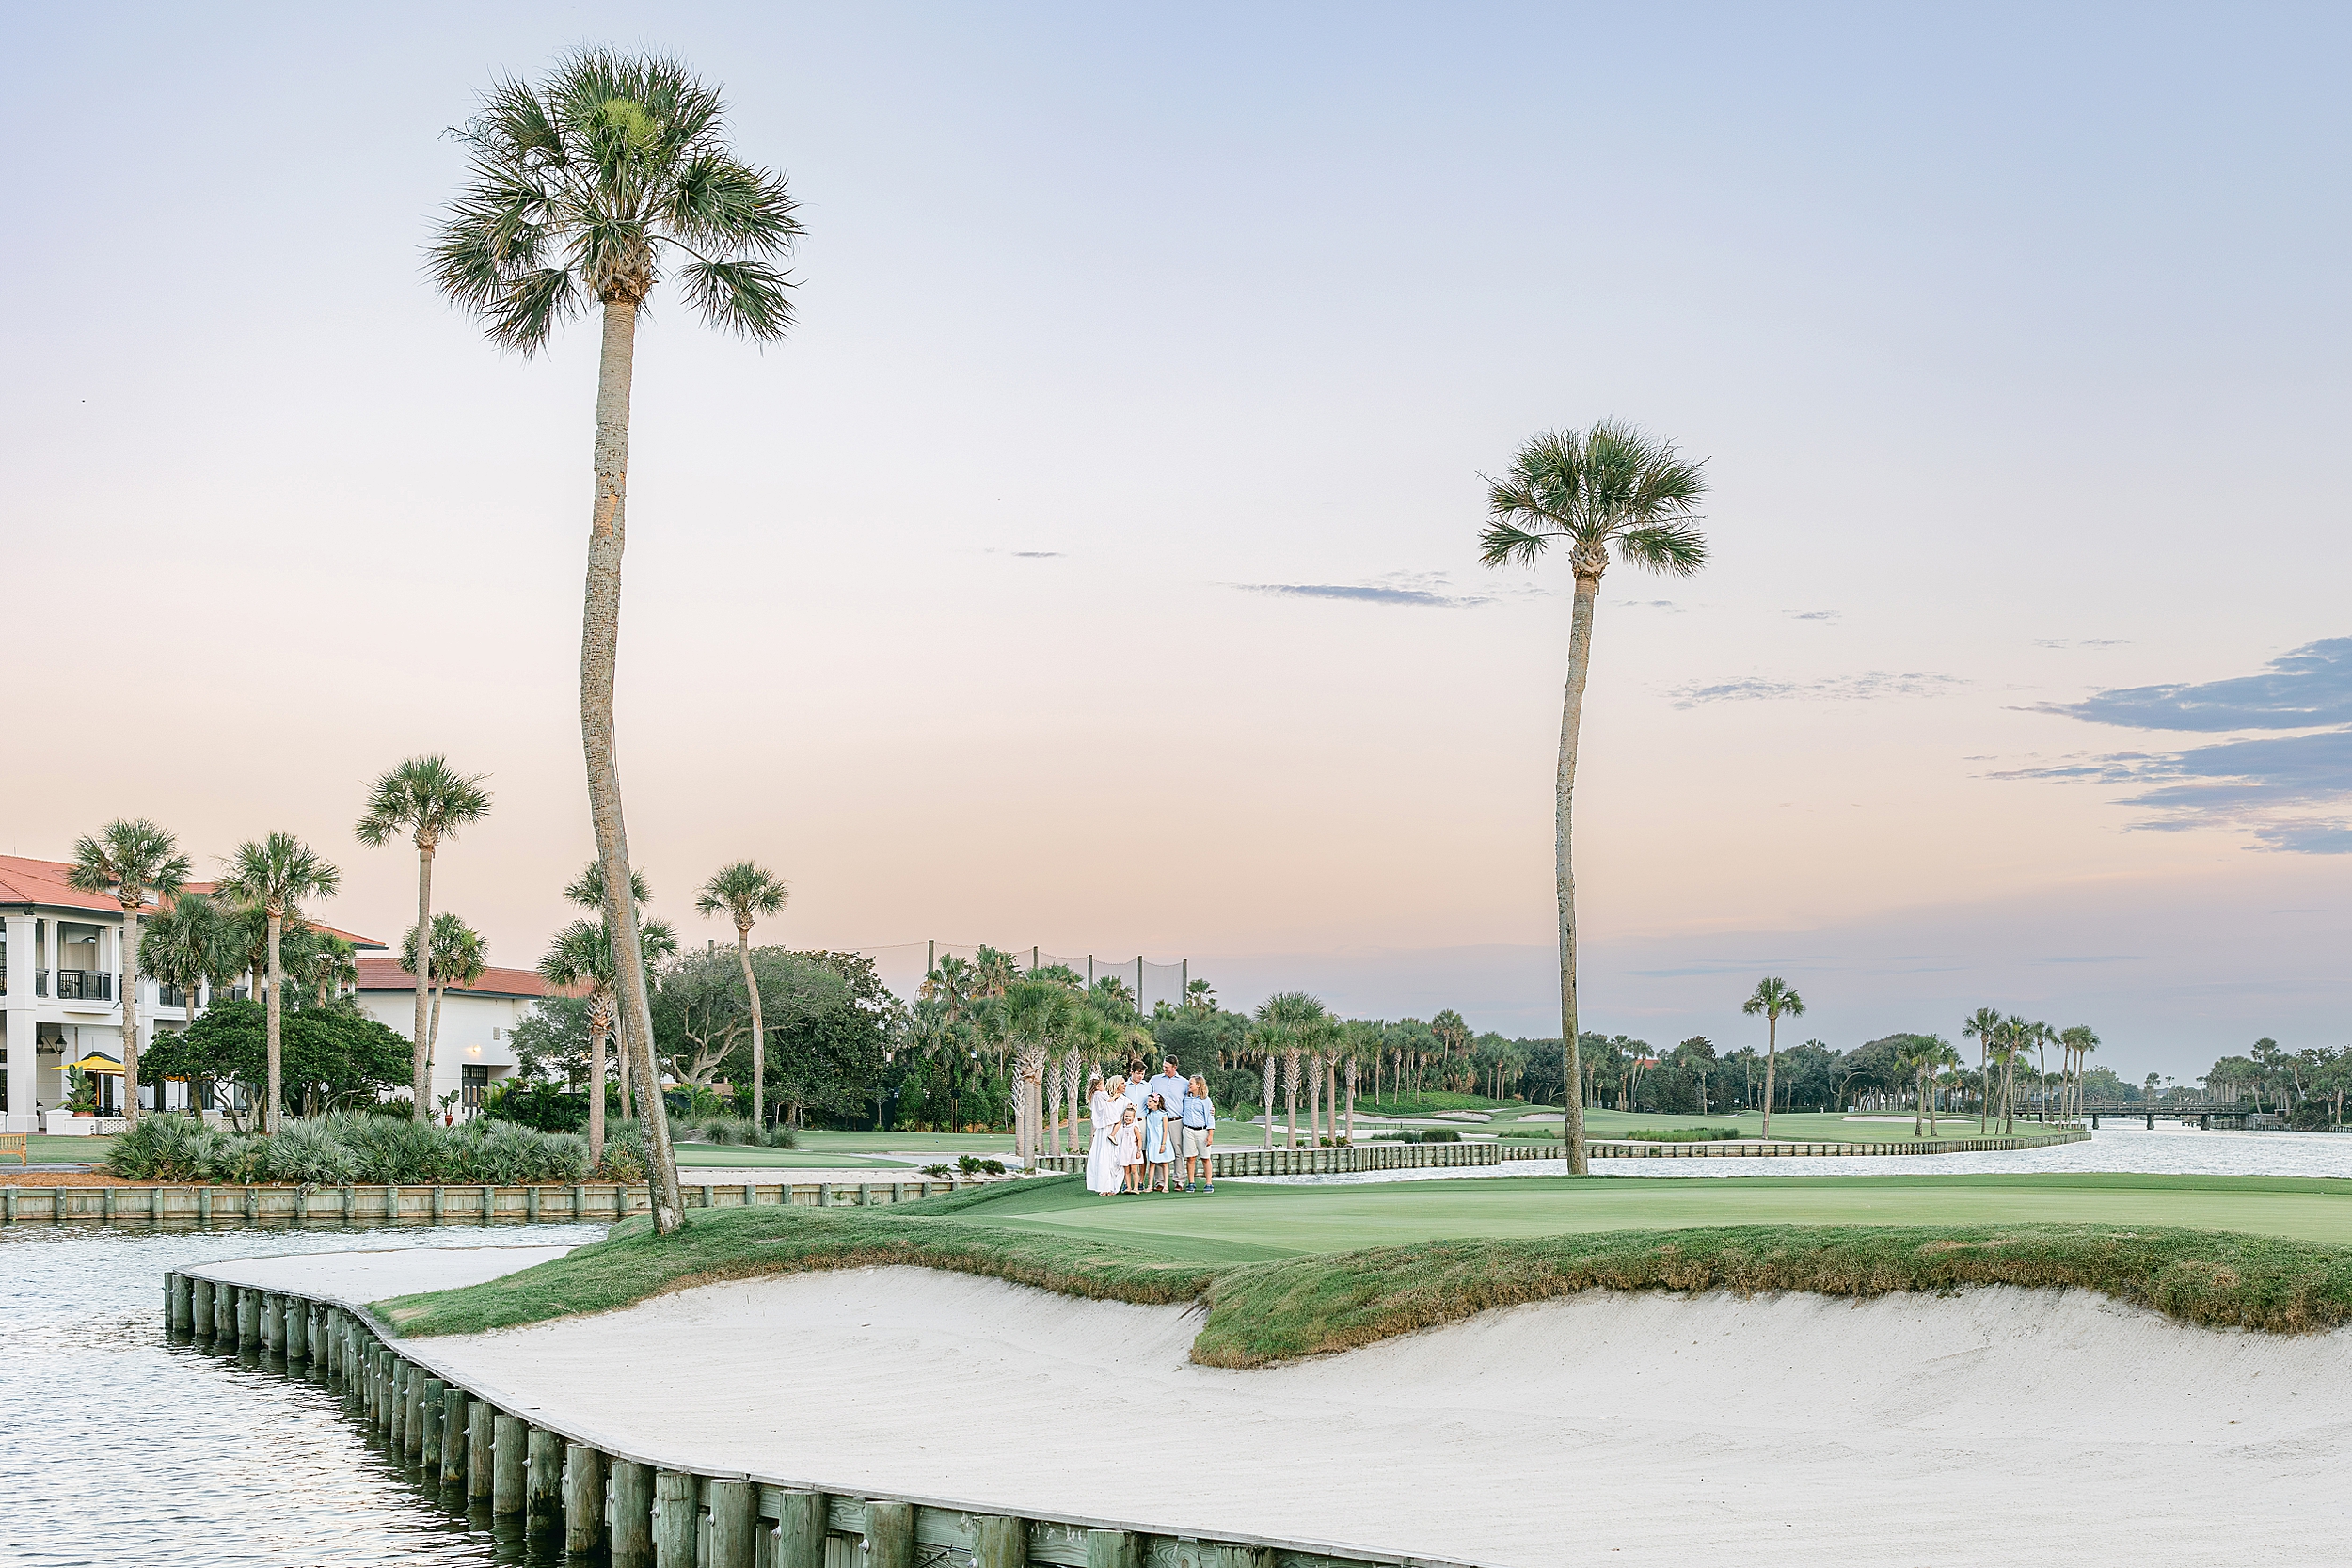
1263,1305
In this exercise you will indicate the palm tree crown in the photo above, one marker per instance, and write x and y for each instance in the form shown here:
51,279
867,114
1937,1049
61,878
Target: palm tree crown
132,860
578,188
429,800
1590,489
742,892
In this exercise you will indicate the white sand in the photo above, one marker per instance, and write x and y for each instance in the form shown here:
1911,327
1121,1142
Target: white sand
363,1276
1633,1429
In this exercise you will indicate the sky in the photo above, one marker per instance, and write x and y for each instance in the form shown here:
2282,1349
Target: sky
1094,564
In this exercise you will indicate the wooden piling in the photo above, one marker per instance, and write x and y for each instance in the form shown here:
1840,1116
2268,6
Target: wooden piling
396,1399
676,1520
889,1535
510,1462
1244,1557
583,1499
248,1318
478,1419
1004,1543
436,1400
297,1331
412,1441
632,1515
734,1523
801,1530
1114,1548
452,1436
200,1305
542,1478
181,1315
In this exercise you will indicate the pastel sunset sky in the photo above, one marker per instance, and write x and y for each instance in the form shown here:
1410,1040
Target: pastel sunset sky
1094,565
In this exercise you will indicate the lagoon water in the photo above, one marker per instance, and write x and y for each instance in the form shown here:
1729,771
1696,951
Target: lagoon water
2168,1151
121,1447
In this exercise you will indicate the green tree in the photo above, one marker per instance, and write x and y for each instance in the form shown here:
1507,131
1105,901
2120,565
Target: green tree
186,945
134,860
1588,491
1037,1015
581,955
581,189
275,875
427,800
330,1055
459,956
744,892
1984,1027
2080,1041
1775,1000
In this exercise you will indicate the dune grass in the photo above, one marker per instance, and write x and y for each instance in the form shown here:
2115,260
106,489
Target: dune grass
1281,1307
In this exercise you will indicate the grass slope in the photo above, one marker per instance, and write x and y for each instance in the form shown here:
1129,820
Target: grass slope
1276,1308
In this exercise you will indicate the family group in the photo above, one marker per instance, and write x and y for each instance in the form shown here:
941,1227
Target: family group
1143,1127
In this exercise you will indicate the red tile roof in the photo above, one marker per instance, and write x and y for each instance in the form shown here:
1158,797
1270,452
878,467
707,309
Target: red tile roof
43,882
387,975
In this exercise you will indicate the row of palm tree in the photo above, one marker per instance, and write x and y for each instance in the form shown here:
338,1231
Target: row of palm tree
139,863
2002,1040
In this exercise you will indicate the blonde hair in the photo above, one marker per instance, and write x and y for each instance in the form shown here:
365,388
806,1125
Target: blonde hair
1199,1084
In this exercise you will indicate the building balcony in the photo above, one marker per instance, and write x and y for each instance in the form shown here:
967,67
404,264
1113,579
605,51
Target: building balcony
85,984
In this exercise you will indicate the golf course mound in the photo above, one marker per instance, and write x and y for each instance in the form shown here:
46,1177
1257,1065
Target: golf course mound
1604,1426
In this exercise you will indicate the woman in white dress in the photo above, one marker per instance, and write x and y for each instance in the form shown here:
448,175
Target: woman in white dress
1105,1175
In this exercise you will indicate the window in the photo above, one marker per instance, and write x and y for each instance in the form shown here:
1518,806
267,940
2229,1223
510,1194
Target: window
473,1083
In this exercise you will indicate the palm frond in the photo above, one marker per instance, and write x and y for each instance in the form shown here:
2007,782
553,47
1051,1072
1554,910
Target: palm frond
1500,544
1676,548
718,203
748,298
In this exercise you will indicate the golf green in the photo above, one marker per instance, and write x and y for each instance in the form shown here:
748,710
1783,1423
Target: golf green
1244,1221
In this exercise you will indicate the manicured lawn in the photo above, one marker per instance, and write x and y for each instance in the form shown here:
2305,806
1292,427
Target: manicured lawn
820,1139
1249,1220
45,1150
1261,1304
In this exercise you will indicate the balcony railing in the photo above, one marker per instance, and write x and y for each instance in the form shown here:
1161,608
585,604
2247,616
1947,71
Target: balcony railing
171,996
85,984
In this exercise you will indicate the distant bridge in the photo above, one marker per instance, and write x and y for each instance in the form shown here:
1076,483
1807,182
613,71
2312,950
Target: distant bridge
2204,1113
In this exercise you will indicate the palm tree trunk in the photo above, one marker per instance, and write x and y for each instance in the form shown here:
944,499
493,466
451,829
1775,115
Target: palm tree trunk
1920,1101
1290,1093
421,1064
1984,1086
599,653
1351,1099
131,1018
620,1065
1771,1054
759,1035
1571,718
597,1029
1269,1100
269,1013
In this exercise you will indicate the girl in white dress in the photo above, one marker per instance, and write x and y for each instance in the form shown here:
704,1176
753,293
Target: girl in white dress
1105,1175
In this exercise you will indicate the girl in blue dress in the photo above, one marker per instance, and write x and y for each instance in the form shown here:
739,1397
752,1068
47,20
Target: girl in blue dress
1159,1150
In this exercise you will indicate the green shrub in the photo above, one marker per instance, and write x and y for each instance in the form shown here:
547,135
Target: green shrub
165,1149
505,1154
307,1154
627,1154
1441,1135
1681,1134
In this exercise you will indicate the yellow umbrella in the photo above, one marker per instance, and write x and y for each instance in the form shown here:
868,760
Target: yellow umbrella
96,1063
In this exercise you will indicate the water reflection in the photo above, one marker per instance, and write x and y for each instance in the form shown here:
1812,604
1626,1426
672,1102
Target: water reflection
121,1446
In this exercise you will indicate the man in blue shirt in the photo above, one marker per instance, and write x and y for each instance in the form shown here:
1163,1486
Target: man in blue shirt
1170,1086
1200,1133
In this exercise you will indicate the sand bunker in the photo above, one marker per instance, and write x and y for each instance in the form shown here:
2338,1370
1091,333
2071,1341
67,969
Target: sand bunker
1604,1429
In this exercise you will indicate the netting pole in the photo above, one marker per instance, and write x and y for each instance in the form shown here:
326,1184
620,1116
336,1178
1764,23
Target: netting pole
930,958
1184,981
1033,958
1090,972
1138,985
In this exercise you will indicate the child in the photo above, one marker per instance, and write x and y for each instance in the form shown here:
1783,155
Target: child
1130,1149
1158,1155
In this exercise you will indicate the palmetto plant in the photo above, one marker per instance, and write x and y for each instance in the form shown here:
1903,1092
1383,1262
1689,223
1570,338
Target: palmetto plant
427,800
744,892
1774,999
583,189
1610,487
276,876
1035,1014
1984,1027
132,860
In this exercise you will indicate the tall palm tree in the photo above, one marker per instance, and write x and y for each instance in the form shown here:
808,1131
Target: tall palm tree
1035,1013
1588,490
186,945
2080,1042
582,187
581,955
1775,1001
743,892
1288,1020
587,891
458,956
428,801
277,875
1984,1027
132,860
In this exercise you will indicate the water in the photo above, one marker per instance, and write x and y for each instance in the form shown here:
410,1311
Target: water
2168,1151
122,1447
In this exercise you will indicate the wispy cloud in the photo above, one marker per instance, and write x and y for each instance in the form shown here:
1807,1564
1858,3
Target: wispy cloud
1419,590
1812,614
1868,686
2081,643
1667,605
2291,792
1038,555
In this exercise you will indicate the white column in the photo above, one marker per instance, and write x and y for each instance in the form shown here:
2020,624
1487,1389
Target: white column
22,1024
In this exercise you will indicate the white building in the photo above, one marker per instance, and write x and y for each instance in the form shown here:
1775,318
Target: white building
60,992
475,1047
